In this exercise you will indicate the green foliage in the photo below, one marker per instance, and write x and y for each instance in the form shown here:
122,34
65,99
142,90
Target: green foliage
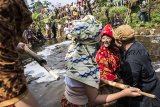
104,21
66,17
148,24
122,10
36,16
117,0
104,2
155,18
135,20
38,6
155,15
104,8
100,15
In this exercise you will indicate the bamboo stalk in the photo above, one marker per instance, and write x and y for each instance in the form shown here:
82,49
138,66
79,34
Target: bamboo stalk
41,61
123,86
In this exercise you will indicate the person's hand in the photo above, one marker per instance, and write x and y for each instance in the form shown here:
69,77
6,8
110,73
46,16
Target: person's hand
20,47
132,92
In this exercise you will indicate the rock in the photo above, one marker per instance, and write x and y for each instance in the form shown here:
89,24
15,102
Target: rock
141,33
147,32
155,41
158,38
136,33
152,31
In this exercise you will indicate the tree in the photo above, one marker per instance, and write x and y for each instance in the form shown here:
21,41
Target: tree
129,5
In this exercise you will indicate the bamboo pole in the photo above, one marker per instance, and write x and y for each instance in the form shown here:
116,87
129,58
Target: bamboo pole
123,86
41,61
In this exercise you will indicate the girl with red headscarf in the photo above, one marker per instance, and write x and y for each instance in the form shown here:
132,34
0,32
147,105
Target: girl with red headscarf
108,57
108,60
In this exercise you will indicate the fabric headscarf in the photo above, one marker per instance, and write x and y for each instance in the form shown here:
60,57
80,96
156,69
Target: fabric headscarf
107,30
124,33
80,59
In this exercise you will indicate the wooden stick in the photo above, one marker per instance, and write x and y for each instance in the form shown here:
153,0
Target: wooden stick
41,61
51,72
123,86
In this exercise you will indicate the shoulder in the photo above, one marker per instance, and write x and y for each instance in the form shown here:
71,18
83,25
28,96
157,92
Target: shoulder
137,53
137,47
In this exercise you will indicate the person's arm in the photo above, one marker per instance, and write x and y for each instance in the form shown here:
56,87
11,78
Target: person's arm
97,99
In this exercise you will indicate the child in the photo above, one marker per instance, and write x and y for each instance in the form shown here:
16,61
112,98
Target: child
108,57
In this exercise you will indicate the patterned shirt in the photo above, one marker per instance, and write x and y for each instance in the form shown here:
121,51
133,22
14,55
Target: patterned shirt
14,18
108,60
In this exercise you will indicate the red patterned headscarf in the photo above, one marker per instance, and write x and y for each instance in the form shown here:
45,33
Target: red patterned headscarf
108,60
107,30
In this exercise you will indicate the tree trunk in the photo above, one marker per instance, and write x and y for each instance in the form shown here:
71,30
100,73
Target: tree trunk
130,16
149,10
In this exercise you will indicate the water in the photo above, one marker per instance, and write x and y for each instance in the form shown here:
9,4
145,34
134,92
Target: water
54,55
152,43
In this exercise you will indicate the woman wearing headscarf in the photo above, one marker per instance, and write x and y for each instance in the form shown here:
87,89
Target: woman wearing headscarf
83,76
108,56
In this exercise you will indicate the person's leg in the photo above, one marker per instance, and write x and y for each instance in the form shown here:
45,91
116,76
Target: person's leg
27,40
27,101
46,33
143,17
58,33
49,34
54,32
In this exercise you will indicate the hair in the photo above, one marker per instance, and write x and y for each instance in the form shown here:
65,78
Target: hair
130,40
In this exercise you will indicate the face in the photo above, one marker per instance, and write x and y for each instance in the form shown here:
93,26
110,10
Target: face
106,41
118,43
